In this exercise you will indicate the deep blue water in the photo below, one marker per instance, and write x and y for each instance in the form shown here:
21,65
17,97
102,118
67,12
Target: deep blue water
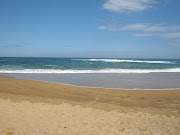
88,65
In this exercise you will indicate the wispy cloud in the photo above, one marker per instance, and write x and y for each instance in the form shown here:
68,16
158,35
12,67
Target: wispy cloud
167,35
175,43
100,20
109,28
9,43
65,46
121,6
148,29
5,45
145,27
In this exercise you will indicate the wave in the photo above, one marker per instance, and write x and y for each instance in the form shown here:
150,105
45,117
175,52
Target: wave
92,71
117,60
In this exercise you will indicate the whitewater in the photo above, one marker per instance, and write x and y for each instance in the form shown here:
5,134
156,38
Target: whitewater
88,65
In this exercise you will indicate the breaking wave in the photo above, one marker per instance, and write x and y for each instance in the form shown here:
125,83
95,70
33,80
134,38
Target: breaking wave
92,71
117,60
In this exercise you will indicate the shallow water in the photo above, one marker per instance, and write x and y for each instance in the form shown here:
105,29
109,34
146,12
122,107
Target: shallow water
121,80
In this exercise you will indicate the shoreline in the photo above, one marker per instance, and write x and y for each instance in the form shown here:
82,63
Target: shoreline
152,81
102,87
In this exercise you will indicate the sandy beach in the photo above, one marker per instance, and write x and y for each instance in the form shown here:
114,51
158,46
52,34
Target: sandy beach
32,107
101,67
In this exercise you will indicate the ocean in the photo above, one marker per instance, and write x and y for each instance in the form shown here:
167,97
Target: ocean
96,72
74,65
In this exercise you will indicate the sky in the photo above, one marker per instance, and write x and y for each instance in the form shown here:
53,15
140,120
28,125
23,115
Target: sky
90,28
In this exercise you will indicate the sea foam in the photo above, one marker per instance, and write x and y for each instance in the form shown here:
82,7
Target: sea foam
117,60
92,71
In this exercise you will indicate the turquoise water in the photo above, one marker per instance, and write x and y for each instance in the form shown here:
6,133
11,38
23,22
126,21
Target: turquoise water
107,73
88,65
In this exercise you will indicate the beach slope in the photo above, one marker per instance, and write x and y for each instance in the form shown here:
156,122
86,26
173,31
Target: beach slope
34,107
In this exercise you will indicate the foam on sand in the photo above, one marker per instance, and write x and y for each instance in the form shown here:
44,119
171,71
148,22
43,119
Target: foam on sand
43,118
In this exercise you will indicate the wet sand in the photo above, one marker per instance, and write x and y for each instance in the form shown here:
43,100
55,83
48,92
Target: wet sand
34,107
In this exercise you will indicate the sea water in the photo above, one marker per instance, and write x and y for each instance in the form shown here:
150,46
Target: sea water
97,72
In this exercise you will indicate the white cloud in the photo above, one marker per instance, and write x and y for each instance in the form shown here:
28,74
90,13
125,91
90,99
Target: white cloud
145,34
128,5
167,35
140,27
171,35
147,29
108,28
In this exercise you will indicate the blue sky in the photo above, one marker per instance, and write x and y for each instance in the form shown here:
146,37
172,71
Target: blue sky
90,28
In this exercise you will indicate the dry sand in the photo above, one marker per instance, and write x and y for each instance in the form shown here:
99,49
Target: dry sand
41,108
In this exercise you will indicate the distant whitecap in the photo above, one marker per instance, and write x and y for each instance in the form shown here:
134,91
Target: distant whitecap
117,60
